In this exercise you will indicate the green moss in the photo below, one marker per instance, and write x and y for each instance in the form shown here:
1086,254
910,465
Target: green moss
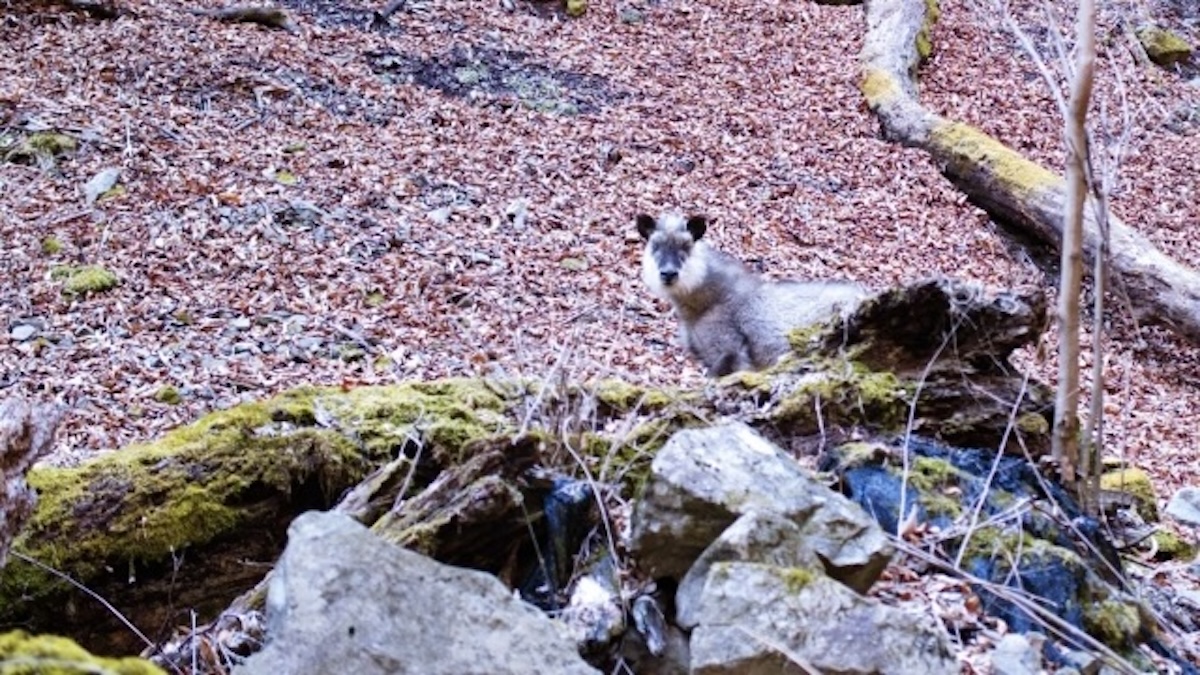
962,143
1169,546
1033,424
443,414
576,7
184,490
620,396
169,395
41,148
1136,483
879,87
993,542
375,299
856,454
51,246
1113,622
929,474
932,478
845,395
85,280
1163,47
749,380
924,42
24,654
796,579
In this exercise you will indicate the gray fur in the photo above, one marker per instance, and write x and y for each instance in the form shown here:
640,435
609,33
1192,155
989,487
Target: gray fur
730,318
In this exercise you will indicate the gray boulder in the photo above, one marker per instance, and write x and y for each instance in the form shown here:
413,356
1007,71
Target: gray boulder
762,619
1185,506
756,537
704,479
344,601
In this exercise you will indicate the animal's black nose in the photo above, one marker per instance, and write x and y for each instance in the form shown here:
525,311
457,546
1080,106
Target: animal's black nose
668,278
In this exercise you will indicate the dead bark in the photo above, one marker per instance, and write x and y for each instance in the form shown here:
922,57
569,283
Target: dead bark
159,533
26,433
271,17
1012,189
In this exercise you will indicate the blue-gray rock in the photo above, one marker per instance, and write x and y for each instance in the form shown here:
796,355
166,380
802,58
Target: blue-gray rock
341,600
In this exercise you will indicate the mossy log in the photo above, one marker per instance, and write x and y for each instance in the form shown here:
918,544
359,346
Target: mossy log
197,518
1012,189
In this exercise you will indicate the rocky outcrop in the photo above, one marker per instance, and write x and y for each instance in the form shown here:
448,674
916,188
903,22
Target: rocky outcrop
756,618
344,601
772,564
703,479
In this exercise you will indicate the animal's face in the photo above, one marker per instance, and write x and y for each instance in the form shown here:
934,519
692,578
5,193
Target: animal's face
673,263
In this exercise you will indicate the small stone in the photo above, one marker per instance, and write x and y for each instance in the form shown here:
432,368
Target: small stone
631,16
574,264
23,332
1163,47
1185,506
240,323
309,343
1014,655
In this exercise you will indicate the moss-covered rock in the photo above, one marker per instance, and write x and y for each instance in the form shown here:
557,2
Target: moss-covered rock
161,523
22,653
169,395
41,148
85,280
1135,483
1170,546
845,395
1162,46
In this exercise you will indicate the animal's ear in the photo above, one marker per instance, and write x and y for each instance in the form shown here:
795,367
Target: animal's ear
697,226
646,225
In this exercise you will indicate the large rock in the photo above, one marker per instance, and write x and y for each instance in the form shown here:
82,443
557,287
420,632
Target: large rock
1185,506
344,601
704,479
762,619
764,538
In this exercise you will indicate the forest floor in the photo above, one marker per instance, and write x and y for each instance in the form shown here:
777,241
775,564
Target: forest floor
452,192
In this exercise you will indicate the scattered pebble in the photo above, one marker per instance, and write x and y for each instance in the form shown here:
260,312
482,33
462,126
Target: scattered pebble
23,331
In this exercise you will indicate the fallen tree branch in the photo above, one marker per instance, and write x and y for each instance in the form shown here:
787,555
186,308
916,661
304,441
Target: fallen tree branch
1012,189
271,17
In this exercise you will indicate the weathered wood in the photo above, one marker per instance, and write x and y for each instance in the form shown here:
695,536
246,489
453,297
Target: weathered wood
949,342
26,433
156,530
1014,190
271,17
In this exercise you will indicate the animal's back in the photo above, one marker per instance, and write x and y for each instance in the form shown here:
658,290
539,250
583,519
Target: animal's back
775,309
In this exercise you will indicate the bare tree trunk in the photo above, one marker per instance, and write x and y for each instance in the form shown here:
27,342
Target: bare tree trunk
1066,408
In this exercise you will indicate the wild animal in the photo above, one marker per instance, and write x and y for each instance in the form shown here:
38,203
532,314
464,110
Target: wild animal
730,318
